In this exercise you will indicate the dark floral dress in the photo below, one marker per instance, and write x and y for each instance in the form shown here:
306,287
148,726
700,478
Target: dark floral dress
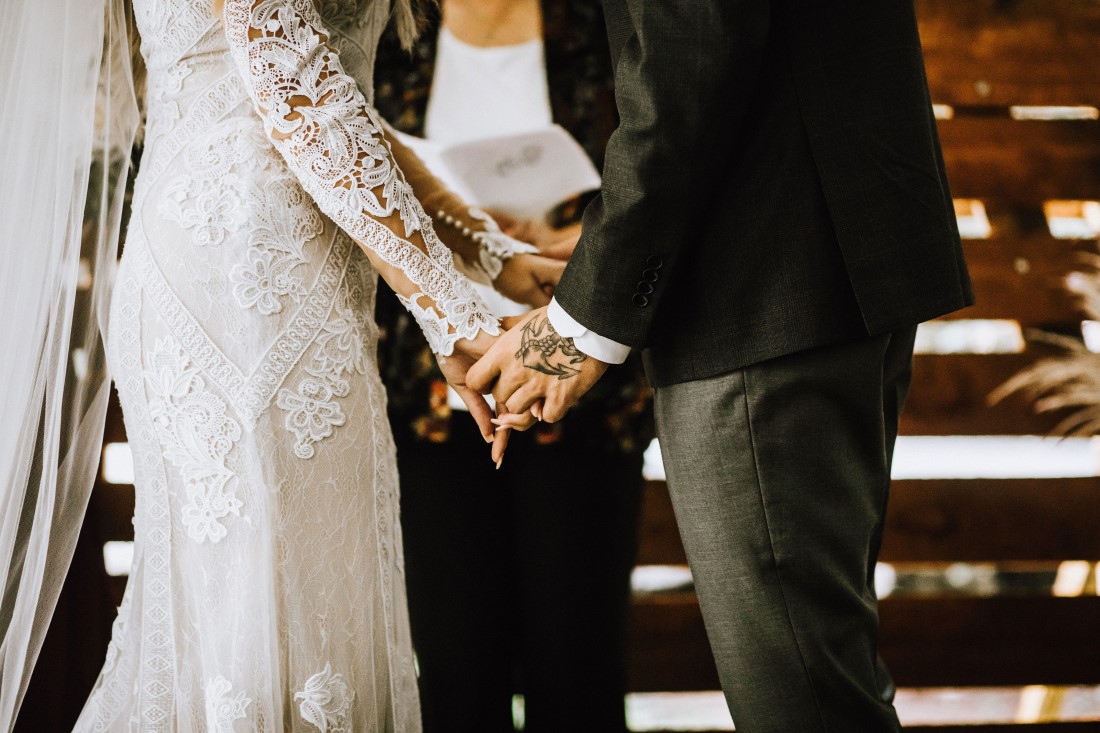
617,414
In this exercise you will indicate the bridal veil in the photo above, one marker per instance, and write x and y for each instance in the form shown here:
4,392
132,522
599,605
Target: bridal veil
67,121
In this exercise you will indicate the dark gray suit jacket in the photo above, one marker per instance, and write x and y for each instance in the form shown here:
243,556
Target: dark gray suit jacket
775,184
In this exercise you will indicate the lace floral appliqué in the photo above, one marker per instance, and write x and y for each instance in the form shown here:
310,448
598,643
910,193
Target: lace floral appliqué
210,214
223,708
325,701
283,221
312,414
198,435
262,282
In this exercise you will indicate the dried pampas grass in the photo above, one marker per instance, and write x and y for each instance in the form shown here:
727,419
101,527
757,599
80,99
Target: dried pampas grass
1070,381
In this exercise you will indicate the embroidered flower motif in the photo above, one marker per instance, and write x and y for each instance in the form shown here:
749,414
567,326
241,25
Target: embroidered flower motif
312,414
171,80
197,434
207,505
283,221
237,142
222,710
209,213
263,280
326,701
340,345
285,217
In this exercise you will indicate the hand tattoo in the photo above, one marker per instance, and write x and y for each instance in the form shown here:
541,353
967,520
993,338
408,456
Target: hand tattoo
543,349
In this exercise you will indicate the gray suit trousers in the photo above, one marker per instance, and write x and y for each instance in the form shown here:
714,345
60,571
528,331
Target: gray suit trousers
779,475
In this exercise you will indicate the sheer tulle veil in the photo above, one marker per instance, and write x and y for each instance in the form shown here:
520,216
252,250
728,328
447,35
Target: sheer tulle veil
68,118
67,124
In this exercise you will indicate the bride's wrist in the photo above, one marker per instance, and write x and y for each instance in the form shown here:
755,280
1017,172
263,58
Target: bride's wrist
476,346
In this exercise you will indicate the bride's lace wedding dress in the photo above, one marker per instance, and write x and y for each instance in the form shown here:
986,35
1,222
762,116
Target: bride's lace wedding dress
266,592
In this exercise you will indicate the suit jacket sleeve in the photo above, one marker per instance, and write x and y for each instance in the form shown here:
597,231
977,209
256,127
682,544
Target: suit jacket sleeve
684,74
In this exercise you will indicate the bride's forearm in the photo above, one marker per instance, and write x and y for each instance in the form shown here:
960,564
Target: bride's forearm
438,200
430,315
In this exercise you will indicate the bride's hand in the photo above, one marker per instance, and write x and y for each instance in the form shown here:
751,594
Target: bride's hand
529,279
454,368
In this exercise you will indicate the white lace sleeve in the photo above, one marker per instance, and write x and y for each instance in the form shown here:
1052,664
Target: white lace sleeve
320,122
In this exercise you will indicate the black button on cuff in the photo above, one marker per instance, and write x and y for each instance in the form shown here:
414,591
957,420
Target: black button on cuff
645,288
655,262
640,300
650,275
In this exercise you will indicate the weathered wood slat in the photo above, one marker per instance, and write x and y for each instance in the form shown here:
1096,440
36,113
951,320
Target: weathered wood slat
1024,162
988,520
927,642
112,509
114,431
1018,52
1023,279
949,396
658,536
668,648
990,641
952,520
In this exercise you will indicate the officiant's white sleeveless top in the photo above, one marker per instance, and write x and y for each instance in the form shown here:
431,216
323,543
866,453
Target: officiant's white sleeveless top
266,592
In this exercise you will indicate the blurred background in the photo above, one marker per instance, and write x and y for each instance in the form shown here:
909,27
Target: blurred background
988,583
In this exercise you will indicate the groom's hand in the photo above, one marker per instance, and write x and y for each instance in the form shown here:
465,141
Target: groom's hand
534,372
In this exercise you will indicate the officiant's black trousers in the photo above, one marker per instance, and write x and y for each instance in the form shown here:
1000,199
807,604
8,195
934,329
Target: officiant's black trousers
519,573
779,474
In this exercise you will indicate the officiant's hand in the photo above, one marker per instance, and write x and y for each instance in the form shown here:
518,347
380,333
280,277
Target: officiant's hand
562,247
529,279
533,231
552,242
533,372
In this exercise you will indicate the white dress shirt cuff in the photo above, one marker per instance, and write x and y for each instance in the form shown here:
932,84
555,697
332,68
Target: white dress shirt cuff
589,342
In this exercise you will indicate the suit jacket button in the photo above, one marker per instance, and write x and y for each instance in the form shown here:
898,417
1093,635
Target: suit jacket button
645,288
649,275
640,300
655,262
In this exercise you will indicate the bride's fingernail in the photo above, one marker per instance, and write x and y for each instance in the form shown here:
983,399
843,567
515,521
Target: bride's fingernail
500,461
496,421
502,427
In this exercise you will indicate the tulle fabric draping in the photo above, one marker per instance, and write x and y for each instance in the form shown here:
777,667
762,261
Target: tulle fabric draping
68,116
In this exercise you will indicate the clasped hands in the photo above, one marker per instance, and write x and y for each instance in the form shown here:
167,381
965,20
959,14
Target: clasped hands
532,372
